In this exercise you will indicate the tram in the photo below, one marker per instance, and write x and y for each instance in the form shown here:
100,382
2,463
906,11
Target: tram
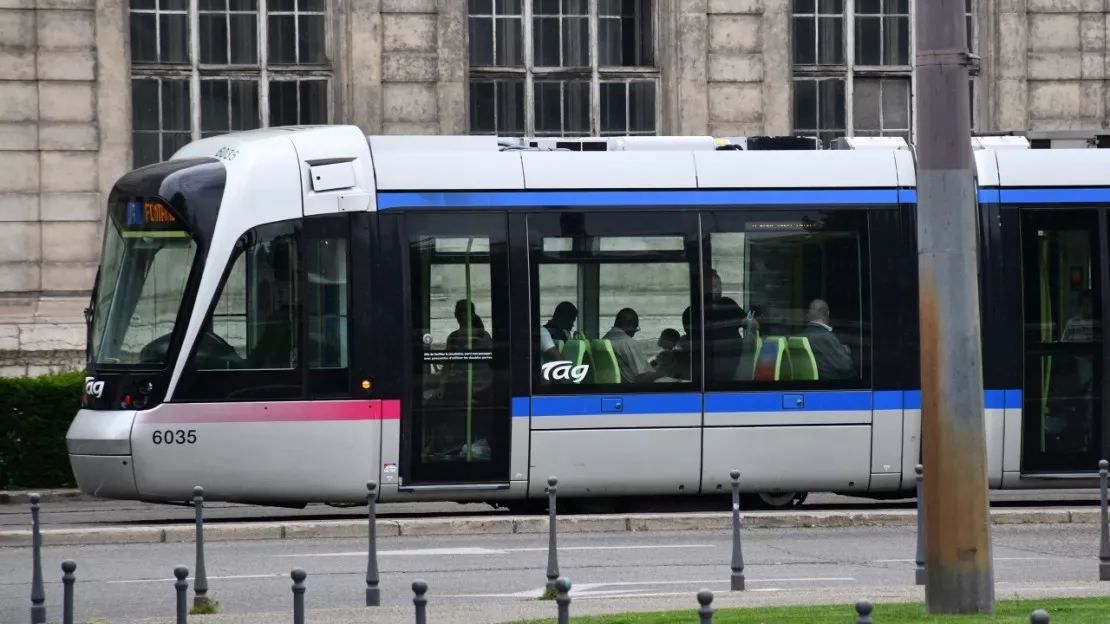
282,315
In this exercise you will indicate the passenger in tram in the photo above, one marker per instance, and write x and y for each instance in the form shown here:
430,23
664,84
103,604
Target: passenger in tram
724,335
633,364
668,341
558,328
674,364
476,344
1081,327
457,389
834,360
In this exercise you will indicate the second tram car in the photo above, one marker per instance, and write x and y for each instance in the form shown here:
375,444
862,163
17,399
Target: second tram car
281,315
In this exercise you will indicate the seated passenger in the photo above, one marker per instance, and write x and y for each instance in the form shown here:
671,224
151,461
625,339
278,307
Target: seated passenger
668,340
453,378
633,364
558,328
834,360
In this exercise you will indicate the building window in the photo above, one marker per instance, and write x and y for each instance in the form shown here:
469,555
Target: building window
563,67
201,68
857,82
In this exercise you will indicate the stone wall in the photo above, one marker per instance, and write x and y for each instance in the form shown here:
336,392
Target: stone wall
64,139
1050,65
726,67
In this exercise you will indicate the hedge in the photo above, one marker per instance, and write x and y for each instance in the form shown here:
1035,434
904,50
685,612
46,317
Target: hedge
35,413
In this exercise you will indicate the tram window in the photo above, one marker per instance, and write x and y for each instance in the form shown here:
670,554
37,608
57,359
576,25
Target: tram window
786,300
255,314
326,303
611,313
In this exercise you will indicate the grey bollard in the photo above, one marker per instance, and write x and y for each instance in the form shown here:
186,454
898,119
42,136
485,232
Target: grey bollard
68,579
1104,528
373,592
737,579
182,587
552,549
705,611
419,589
38,592
200,583
562,598
919,571
1040,616
863,612
298,575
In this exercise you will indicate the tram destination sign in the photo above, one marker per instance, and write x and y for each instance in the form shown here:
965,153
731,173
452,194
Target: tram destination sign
147,217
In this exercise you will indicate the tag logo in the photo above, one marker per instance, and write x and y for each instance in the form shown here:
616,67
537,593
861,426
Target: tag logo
93,387
557,371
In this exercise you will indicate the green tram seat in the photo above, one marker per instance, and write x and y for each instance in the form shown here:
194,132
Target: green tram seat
803,363
605,369
577,352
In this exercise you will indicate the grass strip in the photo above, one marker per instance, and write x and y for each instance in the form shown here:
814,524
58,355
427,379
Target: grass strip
1062,611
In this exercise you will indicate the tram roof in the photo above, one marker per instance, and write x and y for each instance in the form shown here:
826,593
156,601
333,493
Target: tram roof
466,163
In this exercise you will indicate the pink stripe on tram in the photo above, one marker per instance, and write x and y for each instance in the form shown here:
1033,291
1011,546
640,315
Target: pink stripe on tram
278,411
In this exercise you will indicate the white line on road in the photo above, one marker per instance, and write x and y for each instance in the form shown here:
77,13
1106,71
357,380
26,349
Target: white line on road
591,589
464,550
211,578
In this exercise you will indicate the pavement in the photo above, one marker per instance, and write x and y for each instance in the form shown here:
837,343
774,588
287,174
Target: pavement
482,579
69,519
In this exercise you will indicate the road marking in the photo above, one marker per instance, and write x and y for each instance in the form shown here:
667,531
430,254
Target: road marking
464,550
211,578
591,589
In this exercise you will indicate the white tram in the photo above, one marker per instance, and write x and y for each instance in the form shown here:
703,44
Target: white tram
281,315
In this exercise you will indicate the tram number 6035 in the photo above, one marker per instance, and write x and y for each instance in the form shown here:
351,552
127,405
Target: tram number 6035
170,436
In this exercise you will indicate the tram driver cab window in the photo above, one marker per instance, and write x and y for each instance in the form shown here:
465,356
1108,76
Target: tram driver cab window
612,311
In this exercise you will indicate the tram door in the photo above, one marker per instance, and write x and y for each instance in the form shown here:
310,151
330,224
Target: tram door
456,429
1062,411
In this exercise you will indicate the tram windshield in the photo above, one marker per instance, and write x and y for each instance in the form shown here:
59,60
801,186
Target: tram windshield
144,268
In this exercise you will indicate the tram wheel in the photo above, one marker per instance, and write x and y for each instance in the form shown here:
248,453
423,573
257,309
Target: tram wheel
775,500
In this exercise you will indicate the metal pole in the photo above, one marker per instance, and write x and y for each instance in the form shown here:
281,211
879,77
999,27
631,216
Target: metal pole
562,599
705,609
181,585
68,579
863,612
737,578
373,592
1104,529
38,592
200,583
298,575
919,572
958,565
552,550
420,600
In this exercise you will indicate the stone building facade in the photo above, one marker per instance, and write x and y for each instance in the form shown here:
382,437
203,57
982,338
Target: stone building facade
91,88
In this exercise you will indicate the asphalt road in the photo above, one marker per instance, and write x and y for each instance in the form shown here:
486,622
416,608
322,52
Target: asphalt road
137,580
67,514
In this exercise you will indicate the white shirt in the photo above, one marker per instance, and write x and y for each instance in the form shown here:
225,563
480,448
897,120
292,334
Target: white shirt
630,359
545,340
